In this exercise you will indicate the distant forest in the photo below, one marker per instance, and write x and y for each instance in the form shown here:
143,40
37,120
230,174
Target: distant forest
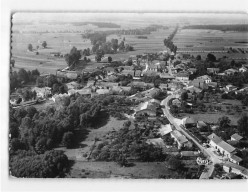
223,27
98,24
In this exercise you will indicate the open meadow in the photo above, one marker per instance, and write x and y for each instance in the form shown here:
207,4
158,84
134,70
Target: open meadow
201,42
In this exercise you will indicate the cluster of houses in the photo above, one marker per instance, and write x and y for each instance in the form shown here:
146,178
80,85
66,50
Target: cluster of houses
223,148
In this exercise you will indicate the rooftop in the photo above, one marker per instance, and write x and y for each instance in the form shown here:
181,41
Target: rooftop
236,158
216,139
236,136
227,147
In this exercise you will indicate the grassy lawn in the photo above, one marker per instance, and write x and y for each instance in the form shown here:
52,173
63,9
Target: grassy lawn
86,138
112,170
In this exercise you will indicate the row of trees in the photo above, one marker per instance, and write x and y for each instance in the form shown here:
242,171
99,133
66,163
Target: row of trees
22,77
222,27
168,42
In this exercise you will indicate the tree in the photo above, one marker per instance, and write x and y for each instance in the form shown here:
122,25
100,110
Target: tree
184,96
68,139
40,146
243,125
198,57
109,59
224,122
31,111
73,57
44,44
30,47
211,57
23,75
245,101
99,55
29,165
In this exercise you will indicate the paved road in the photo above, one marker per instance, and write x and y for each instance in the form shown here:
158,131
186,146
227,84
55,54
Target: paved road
178,125
209,152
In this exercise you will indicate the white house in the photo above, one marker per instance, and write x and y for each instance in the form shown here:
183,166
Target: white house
184,77
181,140
205,78
231,88
221,146
243,69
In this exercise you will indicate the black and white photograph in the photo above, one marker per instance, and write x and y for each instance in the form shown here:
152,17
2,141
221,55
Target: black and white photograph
132,94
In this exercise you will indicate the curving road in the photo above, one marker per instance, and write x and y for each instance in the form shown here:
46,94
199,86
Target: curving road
178,125
206,151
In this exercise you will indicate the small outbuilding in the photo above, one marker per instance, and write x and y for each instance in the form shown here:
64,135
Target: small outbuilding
236,137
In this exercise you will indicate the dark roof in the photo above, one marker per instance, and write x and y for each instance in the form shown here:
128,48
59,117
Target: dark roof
227,147
236,158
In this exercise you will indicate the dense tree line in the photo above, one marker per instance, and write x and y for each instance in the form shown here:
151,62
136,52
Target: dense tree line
22,77
222,27
131,143
28,164
57,86
168,42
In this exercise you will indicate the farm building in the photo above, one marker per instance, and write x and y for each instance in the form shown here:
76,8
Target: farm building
42,92
201,124
189,122
199,83
84,91
176,102
205,78
221,146
213,84
230,71
213,70
193,89
109,70
138,73
235,159
243,69
73,85
58,97
142,85
236,137
102,91
128,72
165,129
231,88
184,77
181,140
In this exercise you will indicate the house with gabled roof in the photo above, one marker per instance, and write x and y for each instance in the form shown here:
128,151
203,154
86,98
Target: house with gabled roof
230,71
205,78
243,69
236,137
213,70
221,146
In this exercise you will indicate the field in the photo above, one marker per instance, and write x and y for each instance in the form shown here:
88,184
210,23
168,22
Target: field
63,42
212,117
87,137
112,170
193,40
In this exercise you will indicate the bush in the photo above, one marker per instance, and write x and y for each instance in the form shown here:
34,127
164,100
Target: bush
68,139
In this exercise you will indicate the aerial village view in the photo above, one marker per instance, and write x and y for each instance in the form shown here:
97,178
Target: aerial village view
128,95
